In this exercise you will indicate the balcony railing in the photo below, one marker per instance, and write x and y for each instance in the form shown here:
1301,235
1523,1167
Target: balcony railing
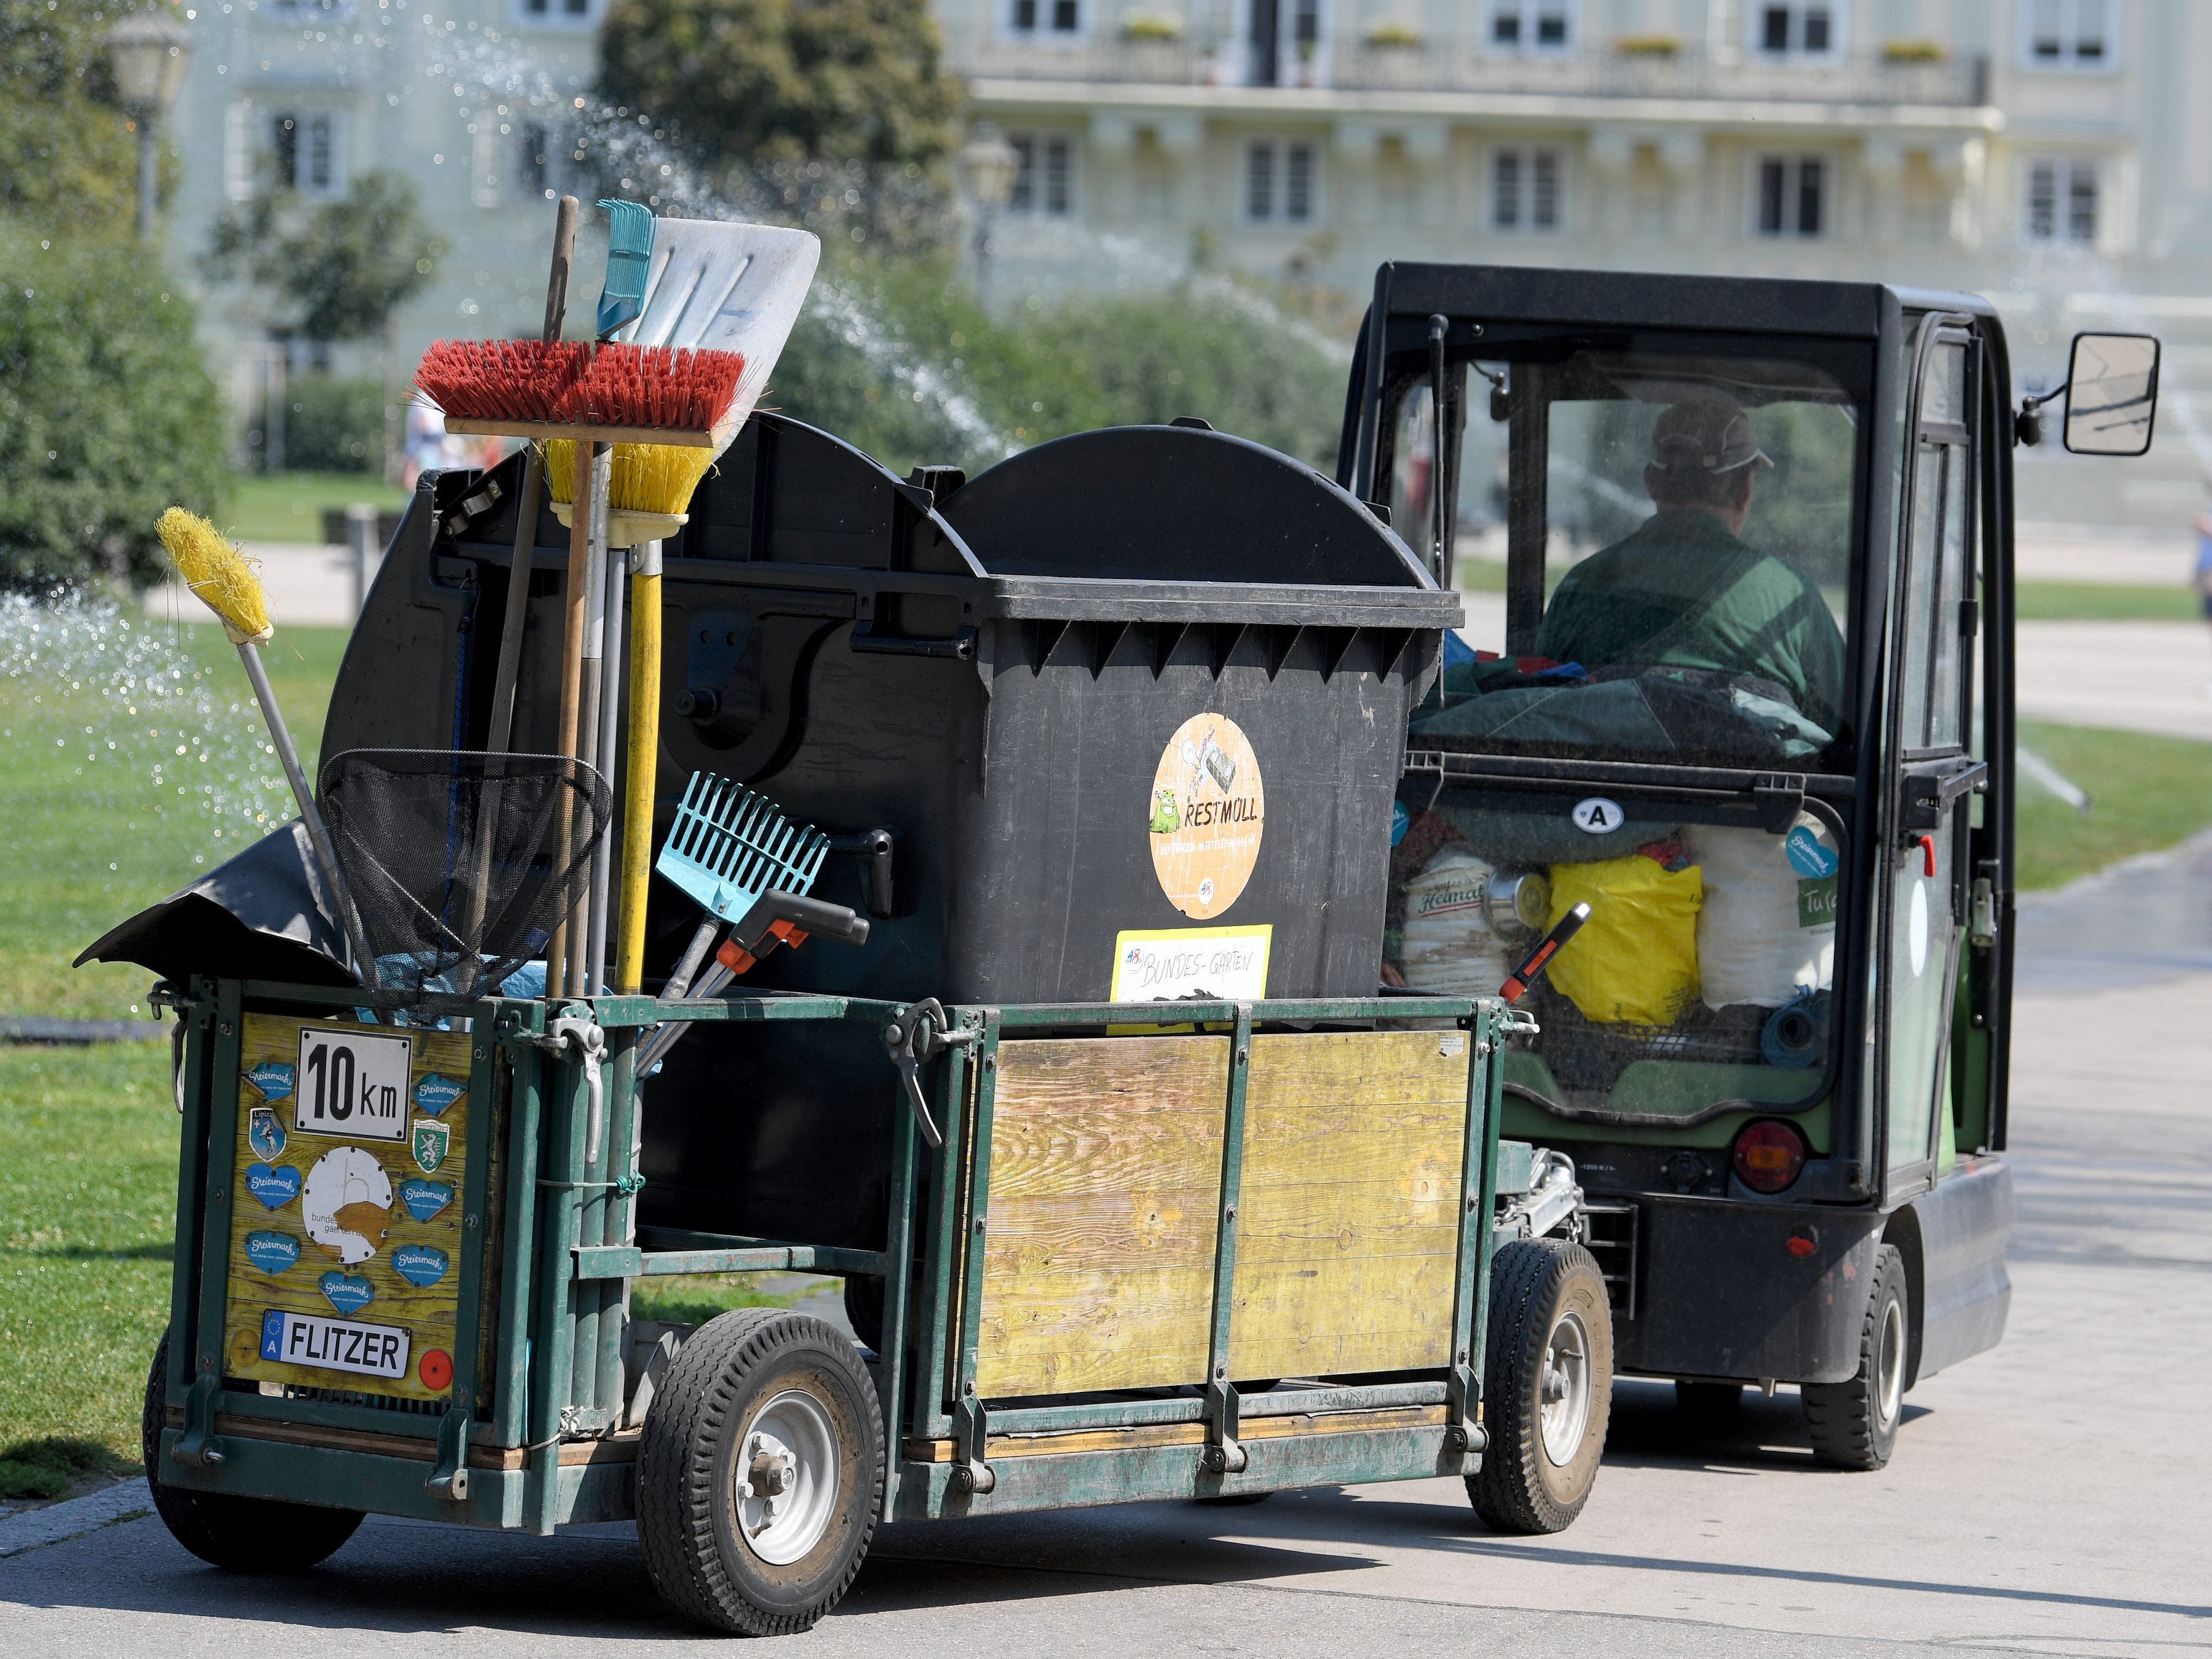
1456,65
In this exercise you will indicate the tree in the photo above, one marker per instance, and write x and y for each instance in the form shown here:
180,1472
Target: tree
338,269
68,161
109,413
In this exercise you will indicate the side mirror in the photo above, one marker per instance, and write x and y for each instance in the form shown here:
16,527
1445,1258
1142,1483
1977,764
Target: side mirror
2111,394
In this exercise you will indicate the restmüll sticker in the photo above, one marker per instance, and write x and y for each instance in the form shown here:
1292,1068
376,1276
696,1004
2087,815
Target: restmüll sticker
1208,809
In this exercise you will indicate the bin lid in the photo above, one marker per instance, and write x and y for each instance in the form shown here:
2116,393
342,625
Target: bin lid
1179,504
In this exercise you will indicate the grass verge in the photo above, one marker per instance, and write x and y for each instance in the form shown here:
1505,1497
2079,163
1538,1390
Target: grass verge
2146,793
2097,602
694,1300
289,507
87,1203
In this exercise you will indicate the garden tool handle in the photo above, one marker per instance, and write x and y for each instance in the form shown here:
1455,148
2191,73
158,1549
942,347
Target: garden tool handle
793,918
1532,966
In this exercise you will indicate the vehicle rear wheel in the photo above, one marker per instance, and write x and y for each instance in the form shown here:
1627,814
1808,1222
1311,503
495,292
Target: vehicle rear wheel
1708,1408
760,1472
239,1534
1854,1425
1546,1387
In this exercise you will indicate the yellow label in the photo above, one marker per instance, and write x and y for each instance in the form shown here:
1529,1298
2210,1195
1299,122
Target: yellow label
346,1220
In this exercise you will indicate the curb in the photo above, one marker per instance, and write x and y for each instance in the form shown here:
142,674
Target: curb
58,1522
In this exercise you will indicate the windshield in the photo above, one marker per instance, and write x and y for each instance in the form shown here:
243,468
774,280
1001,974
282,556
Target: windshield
1655,548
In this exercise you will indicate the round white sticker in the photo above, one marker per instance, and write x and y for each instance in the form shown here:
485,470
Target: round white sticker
1916,927
1208,811
1599,816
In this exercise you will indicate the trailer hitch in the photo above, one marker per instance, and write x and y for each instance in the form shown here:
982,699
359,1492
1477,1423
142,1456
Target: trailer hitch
921,1034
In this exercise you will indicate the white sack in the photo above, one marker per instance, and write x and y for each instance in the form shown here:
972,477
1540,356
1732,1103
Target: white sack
1768,929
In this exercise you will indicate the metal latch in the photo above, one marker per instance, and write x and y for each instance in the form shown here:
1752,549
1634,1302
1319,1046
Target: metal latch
583,1034
918,1035
1982,917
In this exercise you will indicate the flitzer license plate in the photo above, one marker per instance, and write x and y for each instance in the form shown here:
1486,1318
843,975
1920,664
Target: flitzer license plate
334,1344
352,1085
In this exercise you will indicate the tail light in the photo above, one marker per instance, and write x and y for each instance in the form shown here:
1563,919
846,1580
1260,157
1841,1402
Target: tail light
1768,1156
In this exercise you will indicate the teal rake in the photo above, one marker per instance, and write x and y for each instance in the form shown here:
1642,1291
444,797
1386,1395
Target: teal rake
629,255
729,846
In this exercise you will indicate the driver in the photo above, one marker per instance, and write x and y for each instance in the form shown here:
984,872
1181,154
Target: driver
1683,590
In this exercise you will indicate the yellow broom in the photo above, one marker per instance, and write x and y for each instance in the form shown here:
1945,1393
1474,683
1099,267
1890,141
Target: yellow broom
220,574
649,496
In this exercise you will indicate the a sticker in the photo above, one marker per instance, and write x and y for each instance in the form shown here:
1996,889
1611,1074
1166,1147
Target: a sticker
419,1264
275,1187
273,1078
347,1201
425,1198
431,1140
1451,1045
1808,857
352,1085
436,1370
264,1133
348,1293
1223,965
1916,927
436,1093
272,1252
1597,816
1208,811
333,1345
1816,904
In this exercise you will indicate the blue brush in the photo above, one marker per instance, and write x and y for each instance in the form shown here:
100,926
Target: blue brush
629,255
729,846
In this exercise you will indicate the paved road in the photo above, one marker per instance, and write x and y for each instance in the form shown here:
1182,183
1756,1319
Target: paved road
2050,1497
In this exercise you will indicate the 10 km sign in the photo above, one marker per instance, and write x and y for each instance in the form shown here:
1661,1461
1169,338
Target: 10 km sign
352,1085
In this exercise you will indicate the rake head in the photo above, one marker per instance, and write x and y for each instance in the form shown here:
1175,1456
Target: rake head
729,846
629,252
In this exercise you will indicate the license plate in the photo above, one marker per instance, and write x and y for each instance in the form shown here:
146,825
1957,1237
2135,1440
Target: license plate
352,1085
334,1344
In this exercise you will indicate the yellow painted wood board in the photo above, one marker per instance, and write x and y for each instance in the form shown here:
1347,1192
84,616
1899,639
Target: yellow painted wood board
343,1219
1349,1209
1101,1218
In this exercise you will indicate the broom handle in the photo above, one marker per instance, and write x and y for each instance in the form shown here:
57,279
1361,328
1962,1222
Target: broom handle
610,712
643,755
572,671
318,836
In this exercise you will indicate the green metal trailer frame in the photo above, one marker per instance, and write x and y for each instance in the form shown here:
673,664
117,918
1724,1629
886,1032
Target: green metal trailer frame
525,1443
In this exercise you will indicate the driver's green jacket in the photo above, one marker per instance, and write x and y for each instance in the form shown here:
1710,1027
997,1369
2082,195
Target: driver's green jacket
1682,592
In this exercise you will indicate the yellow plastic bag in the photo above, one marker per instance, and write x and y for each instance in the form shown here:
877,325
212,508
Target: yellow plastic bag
1635,961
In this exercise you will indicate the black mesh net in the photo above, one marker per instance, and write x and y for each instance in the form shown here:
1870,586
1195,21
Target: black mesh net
460,863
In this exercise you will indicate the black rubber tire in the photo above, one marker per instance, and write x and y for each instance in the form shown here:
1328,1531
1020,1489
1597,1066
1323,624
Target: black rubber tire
864,1309
1534,1284
239,1534
1704,1408
687,1476
1853,1424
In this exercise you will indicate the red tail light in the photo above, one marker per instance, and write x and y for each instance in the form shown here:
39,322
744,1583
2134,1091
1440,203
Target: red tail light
1768,1156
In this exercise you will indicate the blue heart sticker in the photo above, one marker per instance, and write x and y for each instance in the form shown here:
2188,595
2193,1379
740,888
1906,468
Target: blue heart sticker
271,1252
425,1198
348,1293
275,1187
274,1079
1806,856
419,1264
435,1093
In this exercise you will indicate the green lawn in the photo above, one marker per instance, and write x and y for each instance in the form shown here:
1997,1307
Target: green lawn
2092,602
287,506
2146,793
91,834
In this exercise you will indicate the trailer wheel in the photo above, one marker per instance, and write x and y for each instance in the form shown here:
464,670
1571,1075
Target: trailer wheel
760,1472
1546,1386
239,1534
1854,1425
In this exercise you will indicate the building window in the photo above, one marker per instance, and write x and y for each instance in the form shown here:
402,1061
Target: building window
2076,35
1531,26
533,170
1527,189
1792,195
557,14
2062,200
1046,17
1044,174
1279,183
307,152
1799,30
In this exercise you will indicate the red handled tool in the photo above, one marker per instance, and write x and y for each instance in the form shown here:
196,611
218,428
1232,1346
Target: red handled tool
1525,976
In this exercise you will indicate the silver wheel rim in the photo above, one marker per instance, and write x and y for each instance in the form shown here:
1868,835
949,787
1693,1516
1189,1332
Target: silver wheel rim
787,1478
1889,1363
1564,1389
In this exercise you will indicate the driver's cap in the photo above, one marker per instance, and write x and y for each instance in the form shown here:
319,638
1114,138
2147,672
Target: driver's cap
1706,435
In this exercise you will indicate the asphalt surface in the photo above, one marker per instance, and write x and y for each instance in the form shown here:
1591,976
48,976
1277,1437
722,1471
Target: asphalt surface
2048,1497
